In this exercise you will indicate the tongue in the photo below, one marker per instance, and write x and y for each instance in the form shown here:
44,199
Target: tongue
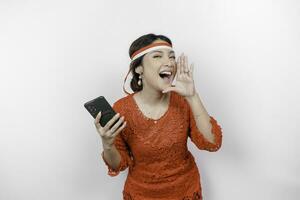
167,79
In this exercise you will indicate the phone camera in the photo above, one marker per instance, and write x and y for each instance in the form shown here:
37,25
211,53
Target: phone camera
92,108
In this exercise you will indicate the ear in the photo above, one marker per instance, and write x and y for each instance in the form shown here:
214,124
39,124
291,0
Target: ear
139,69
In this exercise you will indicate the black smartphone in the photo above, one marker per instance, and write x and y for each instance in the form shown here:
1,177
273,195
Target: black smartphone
101,104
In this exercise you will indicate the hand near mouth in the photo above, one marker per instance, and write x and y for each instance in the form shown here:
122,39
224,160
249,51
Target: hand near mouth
184,78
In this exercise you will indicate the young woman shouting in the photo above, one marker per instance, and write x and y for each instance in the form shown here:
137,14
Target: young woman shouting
154,123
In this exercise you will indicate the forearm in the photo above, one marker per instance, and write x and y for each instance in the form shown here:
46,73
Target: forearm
112,156
201,116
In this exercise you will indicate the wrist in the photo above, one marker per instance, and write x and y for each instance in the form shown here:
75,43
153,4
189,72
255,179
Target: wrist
191,97
107,147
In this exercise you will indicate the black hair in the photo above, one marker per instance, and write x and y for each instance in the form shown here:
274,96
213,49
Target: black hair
137,44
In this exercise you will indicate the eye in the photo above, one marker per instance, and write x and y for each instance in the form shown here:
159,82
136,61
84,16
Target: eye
157,56
172,57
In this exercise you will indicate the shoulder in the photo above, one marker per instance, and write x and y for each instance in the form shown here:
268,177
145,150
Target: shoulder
122,104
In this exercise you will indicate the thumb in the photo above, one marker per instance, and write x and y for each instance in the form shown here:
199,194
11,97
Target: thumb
169,89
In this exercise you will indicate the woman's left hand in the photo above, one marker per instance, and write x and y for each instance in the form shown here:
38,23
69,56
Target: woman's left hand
184,78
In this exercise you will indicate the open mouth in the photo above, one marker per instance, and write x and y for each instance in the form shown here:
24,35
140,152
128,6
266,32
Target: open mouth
166,76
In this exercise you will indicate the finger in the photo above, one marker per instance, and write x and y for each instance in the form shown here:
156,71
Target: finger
169,89
175,77
113,129
178,65
187,64
97,120
183,63
119,129
98,116
111,121
181,66
191,70
175,69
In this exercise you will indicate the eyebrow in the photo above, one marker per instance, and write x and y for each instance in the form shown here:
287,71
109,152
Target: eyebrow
161,52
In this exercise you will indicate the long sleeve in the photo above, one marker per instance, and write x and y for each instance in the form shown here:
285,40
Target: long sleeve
197,137
122,146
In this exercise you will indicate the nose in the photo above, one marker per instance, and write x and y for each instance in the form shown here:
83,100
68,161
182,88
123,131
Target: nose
168,62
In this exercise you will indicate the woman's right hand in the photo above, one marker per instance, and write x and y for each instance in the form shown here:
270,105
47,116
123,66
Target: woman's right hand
108,133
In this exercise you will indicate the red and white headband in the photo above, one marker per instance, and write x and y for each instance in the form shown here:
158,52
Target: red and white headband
150,47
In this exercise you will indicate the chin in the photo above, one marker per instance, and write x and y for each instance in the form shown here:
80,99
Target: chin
162,85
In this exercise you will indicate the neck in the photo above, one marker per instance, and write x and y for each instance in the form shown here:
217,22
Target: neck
153,97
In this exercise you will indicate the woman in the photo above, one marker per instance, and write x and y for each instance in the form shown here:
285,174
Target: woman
151,136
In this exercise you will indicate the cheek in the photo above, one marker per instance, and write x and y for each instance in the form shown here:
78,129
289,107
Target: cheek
151,71
152,77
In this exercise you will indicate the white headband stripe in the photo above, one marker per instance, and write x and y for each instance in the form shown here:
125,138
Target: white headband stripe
150,49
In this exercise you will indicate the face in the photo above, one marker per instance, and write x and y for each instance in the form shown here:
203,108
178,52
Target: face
159,68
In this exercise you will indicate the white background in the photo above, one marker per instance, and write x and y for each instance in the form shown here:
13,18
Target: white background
56,55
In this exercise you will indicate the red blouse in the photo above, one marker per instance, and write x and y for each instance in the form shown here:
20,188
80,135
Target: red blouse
160,165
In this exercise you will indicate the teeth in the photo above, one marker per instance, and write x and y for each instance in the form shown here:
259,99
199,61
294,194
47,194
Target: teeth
168,73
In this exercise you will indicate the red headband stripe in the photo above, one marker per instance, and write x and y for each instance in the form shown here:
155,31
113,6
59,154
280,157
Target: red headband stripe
149,46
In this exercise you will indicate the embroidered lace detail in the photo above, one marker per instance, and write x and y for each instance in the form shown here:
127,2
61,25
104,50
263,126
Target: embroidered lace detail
160,165
127,196
196,196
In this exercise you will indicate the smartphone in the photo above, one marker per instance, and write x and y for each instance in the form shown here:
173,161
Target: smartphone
101,104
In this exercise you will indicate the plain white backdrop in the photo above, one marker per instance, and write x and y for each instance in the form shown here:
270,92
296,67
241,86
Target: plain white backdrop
56,55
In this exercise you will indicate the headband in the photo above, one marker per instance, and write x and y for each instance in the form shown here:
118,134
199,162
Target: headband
149,48
143,51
